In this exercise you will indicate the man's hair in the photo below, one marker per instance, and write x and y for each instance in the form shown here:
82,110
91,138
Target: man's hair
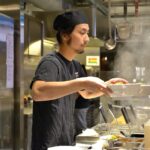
60,33
65,23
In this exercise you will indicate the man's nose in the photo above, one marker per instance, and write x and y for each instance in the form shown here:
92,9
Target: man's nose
87,39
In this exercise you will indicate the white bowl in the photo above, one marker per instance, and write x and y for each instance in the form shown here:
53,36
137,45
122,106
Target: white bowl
87,136
122,90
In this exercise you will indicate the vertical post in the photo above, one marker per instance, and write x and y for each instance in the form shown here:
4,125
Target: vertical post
94,21
18,83
42,38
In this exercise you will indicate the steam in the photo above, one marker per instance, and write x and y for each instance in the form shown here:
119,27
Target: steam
133,58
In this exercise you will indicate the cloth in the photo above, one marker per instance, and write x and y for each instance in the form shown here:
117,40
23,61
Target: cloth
53,121
68,20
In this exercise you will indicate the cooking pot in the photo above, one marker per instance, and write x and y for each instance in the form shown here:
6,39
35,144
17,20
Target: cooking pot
124,30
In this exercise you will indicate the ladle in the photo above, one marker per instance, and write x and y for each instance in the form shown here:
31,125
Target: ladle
110,44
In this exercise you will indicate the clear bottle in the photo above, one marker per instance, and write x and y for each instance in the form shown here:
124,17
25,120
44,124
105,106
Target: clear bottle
140,74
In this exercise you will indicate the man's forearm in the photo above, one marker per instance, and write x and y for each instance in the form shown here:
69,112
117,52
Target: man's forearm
43,91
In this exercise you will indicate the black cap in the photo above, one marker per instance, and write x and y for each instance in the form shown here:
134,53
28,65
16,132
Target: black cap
69,19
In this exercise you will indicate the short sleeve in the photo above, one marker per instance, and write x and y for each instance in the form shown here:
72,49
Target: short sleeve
46,71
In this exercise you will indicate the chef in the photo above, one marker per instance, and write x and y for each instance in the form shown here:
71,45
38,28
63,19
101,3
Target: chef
57,84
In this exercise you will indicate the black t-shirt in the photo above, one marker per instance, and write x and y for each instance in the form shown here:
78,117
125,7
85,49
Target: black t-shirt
80,101
53,120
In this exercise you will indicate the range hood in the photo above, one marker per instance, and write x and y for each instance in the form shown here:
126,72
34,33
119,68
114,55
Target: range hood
48,35
49,44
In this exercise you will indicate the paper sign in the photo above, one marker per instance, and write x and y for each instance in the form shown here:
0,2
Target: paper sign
92,61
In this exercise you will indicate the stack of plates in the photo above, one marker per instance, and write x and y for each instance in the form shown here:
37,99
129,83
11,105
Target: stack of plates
88,136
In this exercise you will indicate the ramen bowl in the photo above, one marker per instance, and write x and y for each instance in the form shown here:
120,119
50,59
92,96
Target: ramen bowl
123,90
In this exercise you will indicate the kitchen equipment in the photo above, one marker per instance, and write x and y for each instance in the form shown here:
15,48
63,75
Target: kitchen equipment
137,25
103,114
124,28
132,111
136,110
9,45
125,114
104,117
110,108
110,44
127,119
127,109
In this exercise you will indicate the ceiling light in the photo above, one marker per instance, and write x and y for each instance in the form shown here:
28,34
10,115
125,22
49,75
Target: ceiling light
10,7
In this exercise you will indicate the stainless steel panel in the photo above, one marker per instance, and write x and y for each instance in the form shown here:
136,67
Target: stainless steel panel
6,120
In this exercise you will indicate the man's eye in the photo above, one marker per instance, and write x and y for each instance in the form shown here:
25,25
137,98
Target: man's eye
82,33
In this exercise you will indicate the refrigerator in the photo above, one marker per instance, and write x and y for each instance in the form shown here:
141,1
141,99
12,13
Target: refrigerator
6,81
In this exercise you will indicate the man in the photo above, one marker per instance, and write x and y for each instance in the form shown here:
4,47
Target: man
56,84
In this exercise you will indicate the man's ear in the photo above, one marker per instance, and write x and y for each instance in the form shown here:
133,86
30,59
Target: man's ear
65,37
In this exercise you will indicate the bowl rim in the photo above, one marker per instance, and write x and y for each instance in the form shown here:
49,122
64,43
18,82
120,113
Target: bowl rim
127,84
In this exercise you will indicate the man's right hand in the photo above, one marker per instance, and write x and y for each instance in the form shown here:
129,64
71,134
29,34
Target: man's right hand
94,87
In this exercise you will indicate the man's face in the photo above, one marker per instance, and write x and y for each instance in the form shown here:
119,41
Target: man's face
79,38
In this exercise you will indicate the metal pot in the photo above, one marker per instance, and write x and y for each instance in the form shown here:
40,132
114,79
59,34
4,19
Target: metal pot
124,30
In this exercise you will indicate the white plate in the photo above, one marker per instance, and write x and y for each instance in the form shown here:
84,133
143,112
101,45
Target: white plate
125,90
64,148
